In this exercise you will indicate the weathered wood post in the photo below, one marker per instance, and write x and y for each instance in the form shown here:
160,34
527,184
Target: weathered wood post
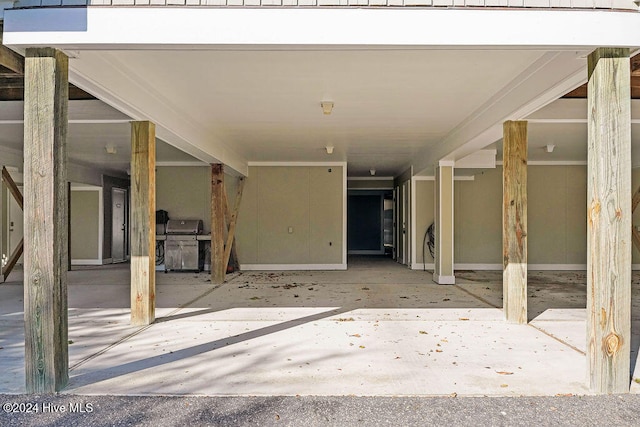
609,221
143,223
46,86
514,221
218,264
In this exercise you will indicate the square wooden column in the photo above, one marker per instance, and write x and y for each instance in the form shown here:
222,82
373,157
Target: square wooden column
609,221
218,264
46,97
514,221
143,222
443,263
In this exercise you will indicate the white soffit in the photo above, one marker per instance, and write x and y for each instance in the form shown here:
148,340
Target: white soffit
167,27
483,159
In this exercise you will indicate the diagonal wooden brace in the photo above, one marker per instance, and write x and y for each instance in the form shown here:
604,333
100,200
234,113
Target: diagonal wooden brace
17,253
634,233
232,222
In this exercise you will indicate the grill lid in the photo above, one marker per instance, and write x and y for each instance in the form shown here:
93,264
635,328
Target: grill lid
184,226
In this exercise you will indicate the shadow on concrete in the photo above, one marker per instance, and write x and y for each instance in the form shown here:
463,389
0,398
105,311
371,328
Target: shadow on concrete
138,365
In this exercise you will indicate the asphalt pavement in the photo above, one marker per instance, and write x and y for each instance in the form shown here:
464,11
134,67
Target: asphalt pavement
120,411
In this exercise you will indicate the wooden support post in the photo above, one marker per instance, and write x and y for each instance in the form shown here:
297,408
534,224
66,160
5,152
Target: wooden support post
45,220
143,223
443,263
514,221
232,223
609,221
218,264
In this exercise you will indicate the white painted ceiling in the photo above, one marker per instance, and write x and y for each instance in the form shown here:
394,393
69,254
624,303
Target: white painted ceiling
264,105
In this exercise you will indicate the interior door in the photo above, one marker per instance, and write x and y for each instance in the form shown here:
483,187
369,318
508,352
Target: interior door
118,224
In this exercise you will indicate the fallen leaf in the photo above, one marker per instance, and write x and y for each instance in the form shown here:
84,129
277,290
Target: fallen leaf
454,394
355,335
361,346
423,332
504,385
446,299
504,373
463,318
438,350
345,319
254,298
398,357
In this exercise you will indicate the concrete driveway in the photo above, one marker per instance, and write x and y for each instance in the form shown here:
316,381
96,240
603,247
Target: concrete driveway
377,329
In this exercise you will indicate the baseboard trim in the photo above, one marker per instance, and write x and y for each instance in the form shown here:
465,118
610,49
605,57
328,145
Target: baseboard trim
444,280
477,267
86,262
292,267
539,267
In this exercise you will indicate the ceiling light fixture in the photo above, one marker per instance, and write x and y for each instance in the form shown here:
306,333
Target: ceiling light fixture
327,107
550,148
329,149
372,171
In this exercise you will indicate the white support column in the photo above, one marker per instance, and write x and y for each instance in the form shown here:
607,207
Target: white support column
443,271
609,221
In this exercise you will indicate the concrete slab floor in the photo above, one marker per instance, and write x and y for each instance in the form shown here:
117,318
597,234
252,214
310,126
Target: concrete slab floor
377,329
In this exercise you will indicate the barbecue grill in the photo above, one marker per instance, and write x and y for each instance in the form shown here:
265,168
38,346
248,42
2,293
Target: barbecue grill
182,246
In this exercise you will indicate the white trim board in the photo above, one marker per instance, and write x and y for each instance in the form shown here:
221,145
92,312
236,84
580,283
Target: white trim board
292,164
429,267
182,164
498,267
551,163
291,267
455,178
86,262
444,280
372,178
66,27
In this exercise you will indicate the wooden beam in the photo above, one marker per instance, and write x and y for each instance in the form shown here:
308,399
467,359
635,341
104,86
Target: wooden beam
45,220
11,60
17,195
13,260
143,222
635,236
13,188
514,221
13,81
218,265
635,200
233,259
232,224
609,221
